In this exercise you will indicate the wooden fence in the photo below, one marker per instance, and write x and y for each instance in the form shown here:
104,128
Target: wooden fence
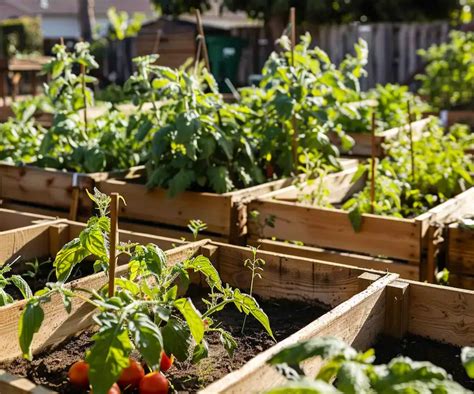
392,46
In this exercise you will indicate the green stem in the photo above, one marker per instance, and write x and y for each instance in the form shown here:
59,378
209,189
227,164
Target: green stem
217,307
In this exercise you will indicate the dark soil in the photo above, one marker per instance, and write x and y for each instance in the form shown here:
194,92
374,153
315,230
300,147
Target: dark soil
422,349
286,317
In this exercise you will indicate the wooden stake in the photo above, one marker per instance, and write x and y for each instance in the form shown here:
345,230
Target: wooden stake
372,165
293,119
202,37
412,152
114,240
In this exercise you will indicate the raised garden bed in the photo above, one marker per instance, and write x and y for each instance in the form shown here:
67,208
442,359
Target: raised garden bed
450,117
460,256
294,283
404,246
398,308
52,191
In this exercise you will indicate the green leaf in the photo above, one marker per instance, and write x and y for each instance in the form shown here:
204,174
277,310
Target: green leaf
355,217
305,387
147,338
108,356
21,285
95,241
324,347
30,322
203,265
177,339
181,182
247,304
187,124
227,341
5,298
192,316
467,358
352,378
155,258
219,178
71,254
201,351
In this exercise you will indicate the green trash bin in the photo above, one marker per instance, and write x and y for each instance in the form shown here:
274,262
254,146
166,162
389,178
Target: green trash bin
224,55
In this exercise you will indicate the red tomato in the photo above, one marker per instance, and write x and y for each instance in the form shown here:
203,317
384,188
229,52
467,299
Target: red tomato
131,375
166,362
115,389
78,374
154,383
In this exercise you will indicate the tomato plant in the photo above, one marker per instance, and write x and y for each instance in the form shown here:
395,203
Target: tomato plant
442,170
304,90
448,80
12,280
147,312
348,371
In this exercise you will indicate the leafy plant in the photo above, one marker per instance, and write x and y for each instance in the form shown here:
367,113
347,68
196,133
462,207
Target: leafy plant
391,102
448,80
197,140
442,170
347,371
13,280
310,91
147,312
122,25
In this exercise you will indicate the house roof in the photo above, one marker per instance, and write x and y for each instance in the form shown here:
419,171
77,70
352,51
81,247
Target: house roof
14,8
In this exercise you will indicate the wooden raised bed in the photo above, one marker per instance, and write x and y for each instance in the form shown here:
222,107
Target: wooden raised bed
404,246
225,214
363,141
44,240
460,256
365,304
56,191
450,117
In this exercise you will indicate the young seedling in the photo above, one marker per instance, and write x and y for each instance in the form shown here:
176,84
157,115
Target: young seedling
196,226
15,280
255,265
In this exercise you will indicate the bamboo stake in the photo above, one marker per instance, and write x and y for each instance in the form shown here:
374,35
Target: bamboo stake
372,165
412,152
293,119
202,37
114,240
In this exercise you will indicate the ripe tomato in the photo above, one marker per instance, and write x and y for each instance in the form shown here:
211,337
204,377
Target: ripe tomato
115,389
131,375
78,374
154,383
166,362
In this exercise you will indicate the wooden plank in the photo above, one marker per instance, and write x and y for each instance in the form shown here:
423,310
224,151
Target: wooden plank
460,250
28,242
290,277
453,209
462,281
396,309
331,228
441,313
30,209
154,205
11,219
365,312
58,324
452,117
10,384
406,271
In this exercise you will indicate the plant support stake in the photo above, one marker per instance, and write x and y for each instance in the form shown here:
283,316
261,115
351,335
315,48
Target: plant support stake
293,119
114,239
202,38
412,152
372,165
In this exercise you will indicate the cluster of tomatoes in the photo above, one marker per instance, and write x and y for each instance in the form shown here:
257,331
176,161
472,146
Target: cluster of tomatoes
132,377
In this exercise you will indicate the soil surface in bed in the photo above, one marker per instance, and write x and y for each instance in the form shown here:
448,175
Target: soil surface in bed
286,317
418,348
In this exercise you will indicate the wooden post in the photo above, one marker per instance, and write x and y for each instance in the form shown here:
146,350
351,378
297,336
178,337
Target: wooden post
293,119
114,239
412,152
202,38
372,165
